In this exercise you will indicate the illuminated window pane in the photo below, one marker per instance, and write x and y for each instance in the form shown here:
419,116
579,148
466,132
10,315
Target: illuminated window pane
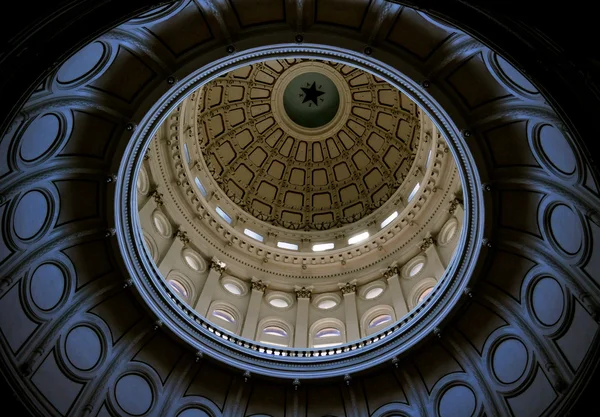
327,304
373,293
425,293
379,320
285,245
186,152
358,238
178,288
223,315
224,215
253,235
232,288
389,219
414,191
200,186
275,331
322,246
328,332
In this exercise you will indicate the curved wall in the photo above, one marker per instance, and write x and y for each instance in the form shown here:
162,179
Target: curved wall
75,340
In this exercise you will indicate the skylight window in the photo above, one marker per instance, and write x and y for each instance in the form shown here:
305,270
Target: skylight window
414,191
373,293
322,246
379,320
178,288
428,159
389,219
232,288
223,315
275,331
279,303
358,238
200,186
186,152
224,215
253,235
286,245
328,332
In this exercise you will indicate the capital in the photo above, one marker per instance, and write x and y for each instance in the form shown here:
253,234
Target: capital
303,293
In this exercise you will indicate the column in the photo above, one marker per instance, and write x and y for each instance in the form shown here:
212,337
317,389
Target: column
251,320
301,333
352,326
212,280
173,253
396,291
433,258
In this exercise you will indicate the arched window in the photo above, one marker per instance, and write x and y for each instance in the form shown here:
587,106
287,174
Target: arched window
274,332
380,320
179,289
225,315
327,333
181,285
377,319
425,293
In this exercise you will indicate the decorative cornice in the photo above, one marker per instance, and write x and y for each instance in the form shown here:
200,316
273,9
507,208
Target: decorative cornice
348,288
303,293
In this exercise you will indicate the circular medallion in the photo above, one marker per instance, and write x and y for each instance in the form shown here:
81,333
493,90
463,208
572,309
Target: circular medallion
311,100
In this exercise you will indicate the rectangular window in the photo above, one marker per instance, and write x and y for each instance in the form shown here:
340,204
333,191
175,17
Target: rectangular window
285,245
200,186
389,219
322,246
188,159
253,235
224,215
358,238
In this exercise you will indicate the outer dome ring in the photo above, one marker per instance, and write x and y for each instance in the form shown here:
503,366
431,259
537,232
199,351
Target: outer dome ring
197,332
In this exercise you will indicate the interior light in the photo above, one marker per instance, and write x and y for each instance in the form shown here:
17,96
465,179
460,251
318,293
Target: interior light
224,215
322,246
389,219
285,245
358,238
253,235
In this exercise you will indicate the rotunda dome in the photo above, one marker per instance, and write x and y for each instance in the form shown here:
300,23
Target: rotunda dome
306,144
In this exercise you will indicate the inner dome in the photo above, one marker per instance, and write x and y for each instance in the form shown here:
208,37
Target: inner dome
311,99
300,236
